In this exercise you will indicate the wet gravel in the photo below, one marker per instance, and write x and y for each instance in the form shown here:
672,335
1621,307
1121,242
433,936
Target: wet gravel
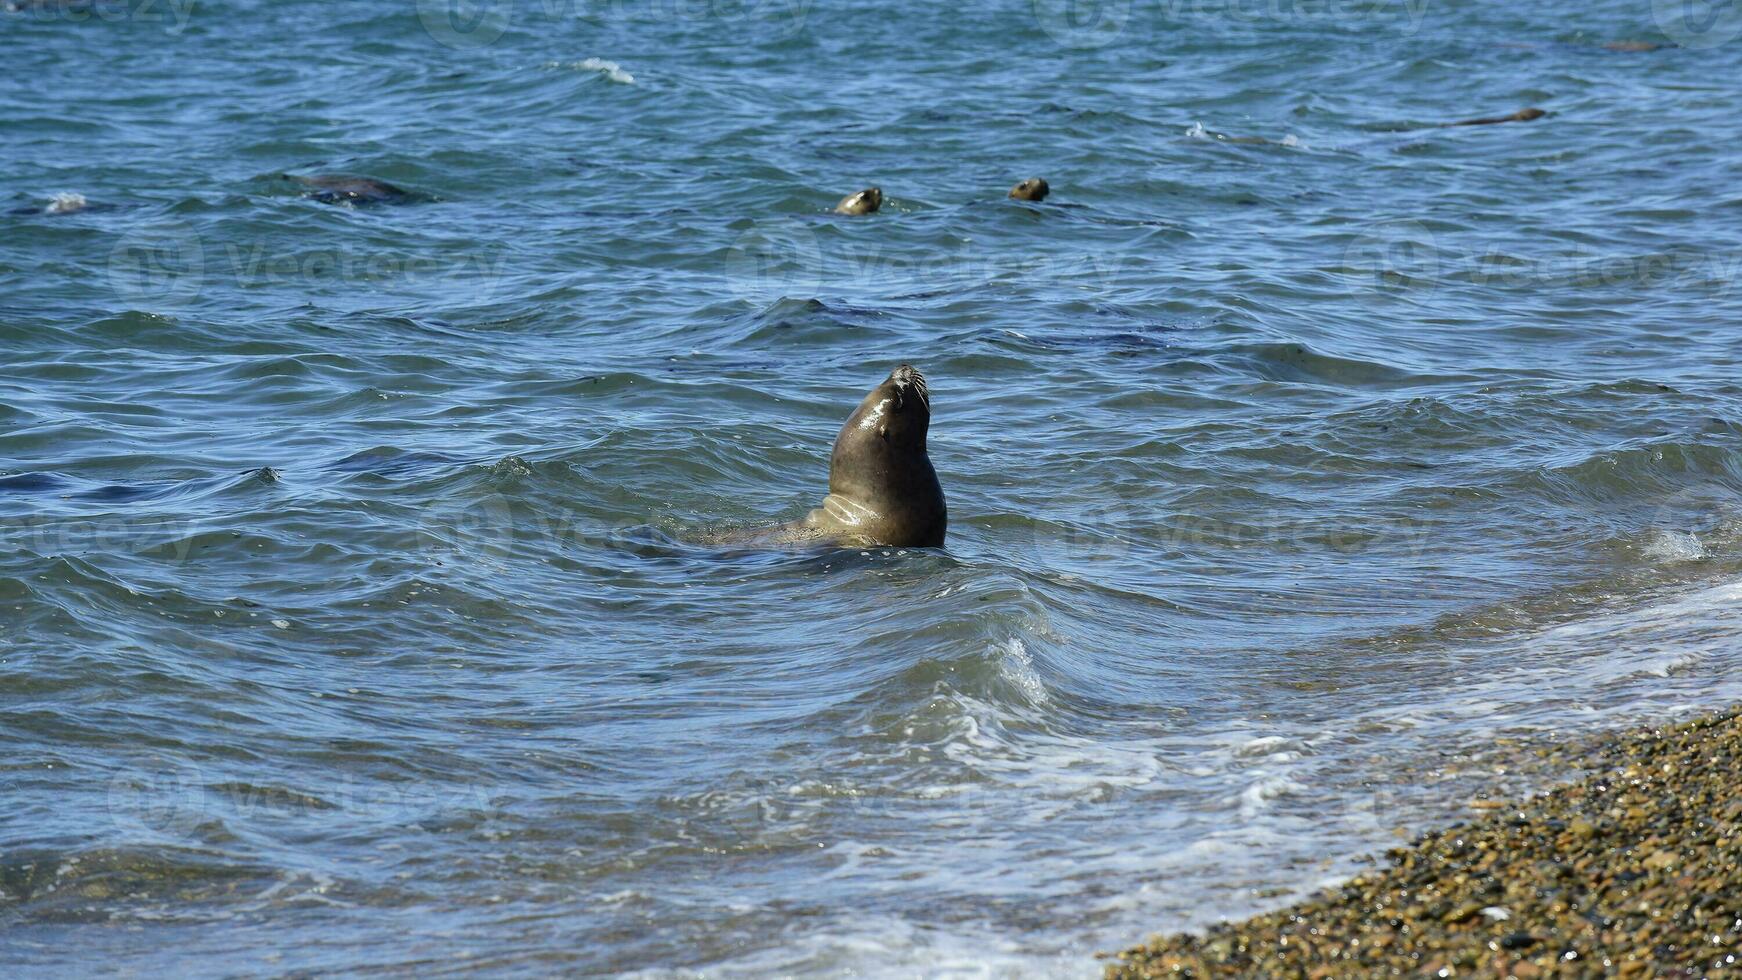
1635,870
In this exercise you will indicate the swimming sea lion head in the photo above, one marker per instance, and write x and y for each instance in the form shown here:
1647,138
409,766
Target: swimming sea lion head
1032,189
879,463
1526,115
345,189
863,202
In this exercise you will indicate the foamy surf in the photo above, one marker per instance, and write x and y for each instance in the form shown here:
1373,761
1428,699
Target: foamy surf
65,202
1294,805
610,69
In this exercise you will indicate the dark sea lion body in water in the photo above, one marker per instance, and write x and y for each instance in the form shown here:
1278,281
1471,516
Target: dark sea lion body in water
864,202
1032,189
882,488
343,189
63,203
1522,115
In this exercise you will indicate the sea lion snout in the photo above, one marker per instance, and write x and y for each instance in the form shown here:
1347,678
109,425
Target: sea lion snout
907,378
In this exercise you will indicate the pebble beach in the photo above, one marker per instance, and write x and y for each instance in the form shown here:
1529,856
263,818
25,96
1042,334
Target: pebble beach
1634,870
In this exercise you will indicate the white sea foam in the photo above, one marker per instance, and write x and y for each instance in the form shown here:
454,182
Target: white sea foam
887,946
66,202
1214,824
610,69
1017,667
1675,546
1270,745
1256,798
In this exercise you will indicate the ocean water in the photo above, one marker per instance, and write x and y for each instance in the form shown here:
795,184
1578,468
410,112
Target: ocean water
354,615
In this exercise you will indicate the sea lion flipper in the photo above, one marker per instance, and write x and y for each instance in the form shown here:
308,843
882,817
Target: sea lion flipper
839,512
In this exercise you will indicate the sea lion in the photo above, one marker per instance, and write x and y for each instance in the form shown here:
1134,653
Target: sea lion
343,189
864,202
1522,115
62,203
882,488
1032,189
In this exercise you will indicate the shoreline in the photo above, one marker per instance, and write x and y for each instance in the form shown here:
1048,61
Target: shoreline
1633,870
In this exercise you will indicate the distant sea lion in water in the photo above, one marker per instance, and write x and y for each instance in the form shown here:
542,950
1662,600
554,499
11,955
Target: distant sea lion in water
882,488
1522,115
63,203
864,202
343,189
1616,47
1032,189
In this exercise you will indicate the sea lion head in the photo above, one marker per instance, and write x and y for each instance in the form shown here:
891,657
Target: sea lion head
1032,189
864,202
899,410
879,467
1526,115
346,189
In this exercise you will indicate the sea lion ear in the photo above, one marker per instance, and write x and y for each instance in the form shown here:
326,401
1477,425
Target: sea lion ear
883,431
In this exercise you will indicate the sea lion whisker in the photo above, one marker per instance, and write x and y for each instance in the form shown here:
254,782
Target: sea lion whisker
919,384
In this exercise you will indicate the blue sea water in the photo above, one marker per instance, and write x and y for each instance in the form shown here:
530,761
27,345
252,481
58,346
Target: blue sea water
355,610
